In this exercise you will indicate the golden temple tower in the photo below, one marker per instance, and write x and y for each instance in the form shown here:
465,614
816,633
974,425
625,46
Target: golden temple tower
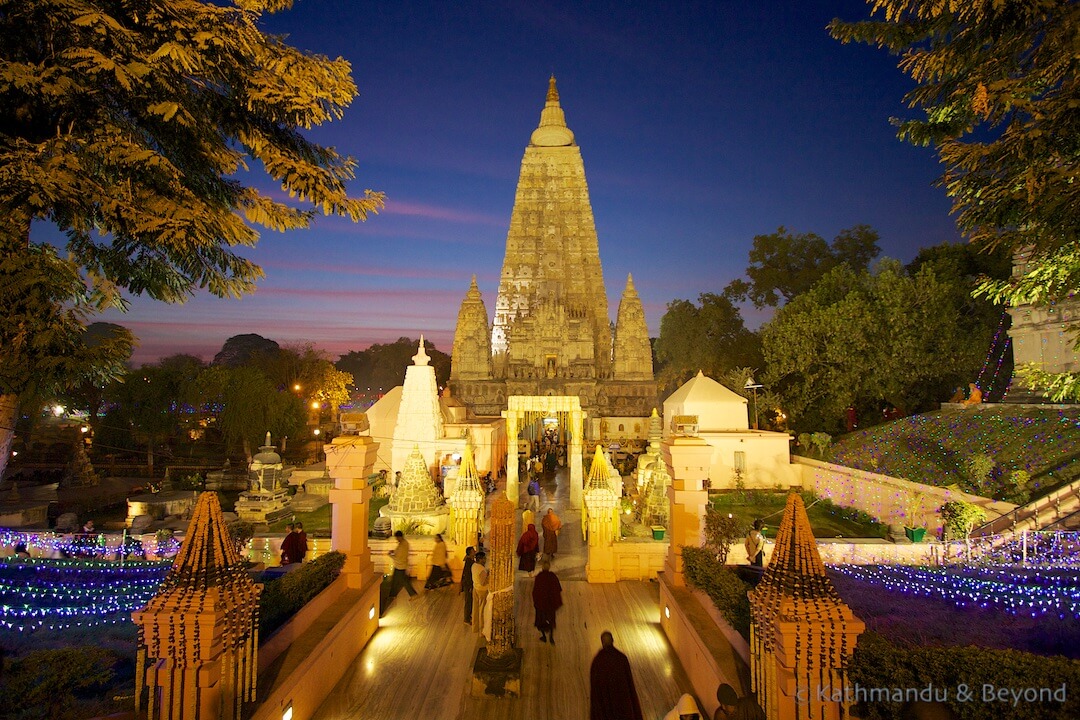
551,334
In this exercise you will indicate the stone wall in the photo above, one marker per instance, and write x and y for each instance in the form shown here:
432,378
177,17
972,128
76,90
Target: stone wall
886,498
639,560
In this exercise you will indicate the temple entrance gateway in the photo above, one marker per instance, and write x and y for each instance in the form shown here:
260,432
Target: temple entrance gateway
524,411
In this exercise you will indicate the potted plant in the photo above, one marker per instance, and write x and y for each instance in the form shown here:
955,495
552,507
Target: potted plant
914,527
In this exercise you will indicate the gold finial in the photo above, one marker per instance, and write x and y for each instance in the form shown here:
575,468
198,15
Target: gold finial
553,93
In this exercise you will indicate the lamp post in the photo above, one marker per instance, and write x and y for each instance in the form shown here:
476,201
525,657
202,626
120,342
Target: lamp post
318,439
751,385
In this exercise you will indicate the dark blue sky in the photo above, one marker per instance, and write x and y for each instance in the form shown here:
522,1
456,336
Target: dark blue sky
701,125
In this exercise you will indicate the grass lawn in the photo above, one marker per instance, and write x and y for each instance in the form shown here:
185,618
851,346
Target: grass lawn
936,448
318,522
826,520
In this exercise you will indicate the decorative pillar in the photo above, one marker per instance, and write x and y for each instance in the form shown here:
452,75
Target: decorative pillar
198,637
466,509
801,633
350,460
497,669
512,420
577,475
601,517
501,578
687,459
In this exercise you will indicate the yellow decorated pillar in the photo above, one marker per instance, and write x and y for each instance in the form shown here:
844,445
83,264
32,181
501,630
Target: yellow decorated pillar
688,460
350,460
512,419
602,521
577,476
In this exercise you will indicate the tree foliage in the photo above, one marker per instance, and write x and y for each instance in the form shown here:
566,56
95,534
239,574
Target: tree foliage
127,125
130,127
709,337
246,405
997,94
867,338
242,349
382,366
783,266
149,401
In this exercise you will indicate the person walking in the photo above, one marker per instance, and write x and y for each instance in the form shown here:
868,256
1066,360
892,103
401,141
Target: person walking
755,545
400,579
547,599
290,550
527,547
480,591
534,495
551,524
466,583
612,695
301,542
440,570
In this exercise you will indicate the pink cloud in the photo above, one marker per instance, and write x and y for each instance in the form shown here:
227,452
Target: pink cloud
435,212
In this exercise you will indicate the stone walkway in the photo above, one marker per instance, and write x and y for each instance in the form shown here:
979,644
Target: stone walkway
418,664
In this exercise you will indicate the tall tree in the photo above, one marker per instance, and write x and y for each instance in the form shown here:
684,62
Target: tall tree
709,336
783,265
127,125
244,349
997,93
382,366
248,405
869,338
44,347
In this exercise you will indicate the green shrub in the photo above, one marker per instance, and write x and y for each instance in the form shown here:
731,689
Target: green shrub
959,517
704,572
283,598
877,663
721,530
59,683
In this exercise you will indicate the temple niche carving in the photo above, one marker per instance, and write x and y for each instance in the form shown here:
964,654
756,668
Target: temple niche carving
551,333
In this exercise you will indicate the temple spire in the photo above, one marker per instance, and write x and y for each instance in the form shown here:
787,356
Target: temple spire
552,130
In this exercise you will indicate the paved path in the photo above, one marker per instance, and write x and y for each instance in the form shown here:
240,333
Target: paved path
419,663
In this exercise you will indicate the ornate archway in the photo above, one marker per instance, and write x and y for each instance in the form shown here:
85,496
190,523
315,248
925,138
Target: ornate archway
519,410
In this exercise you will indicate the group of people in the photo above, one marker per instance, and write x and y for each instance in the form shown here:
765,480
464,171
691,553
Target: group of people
528,546
294,548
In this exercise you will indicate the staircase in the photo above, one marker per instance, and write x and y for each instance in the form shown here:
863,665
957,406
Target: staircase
1060,510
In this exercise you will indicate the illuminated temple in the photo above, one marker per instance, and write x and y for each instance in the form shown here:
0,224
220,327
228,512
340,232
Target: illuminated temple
551,334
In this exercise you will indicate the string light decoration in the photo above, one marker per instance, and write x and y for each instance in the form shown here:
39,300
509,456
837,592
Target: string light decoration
1033,594
996,354
45,594
103,546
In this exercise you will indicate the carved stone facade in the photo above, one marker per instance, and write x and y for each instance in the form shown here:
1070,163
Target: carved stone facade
632,352
472,339
1040,337
551,334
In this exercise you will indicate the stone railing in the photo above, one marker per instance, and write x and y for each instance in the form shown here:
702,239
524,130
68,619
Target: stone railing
1037,514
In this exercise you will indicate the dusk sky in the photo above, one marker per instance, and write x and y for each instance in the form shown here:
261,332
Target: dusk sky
701,125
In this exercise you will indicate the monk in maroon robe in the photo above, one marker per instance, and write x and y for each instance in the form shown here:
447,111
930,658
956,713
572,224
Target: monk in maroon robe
527,547
547,599
612,694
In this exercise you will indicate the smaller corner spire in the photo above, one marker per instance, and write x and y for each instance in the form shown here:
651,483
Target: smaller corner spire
553,92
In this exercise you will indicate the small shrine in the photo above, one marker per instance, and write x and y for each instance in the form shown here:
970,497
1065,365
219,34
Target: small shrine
417,507
802,634
653,480
198,637
268,498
